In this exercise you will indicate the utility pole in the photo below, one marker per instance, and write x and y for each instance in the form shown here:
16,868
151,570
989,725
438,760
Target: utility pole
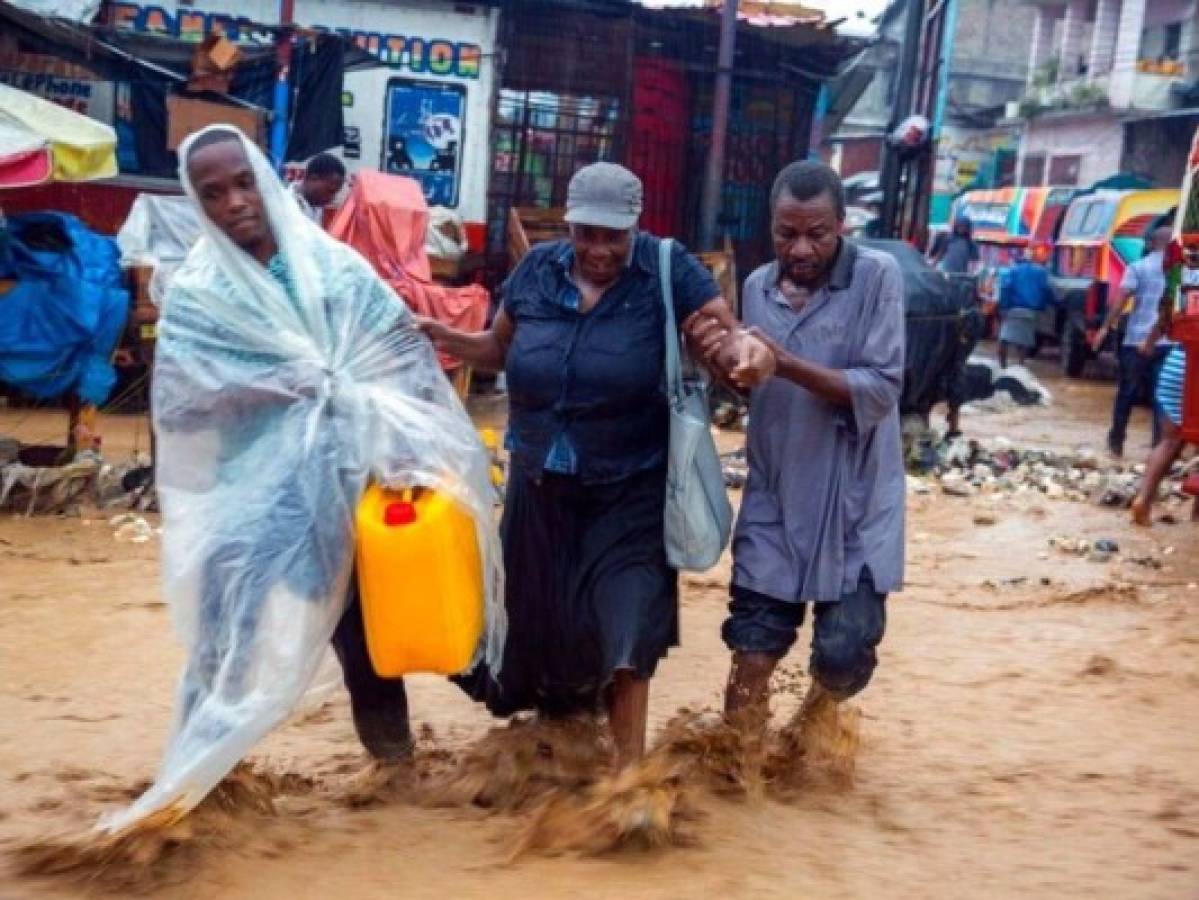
909,59
722,96
282,99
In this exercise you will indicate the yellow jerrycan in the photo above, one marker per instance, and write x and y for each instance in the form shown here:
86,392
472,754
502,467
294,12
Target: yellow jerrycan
420,580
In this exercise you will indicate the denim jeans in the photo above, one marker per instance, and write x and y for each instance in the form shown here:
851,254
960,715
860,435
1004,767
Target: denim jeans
844,636
1138,375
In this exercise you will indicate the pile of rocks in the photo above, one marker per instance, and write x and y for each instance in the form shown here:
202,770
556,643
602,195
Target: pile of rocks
965,468
735,468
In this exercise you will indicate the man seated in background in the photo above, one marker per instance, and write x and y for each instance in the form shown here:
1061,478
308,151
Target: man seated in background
324,177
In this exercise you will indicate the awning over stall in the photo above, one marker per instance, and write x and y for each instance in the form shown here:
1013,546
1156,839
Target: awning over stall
51,141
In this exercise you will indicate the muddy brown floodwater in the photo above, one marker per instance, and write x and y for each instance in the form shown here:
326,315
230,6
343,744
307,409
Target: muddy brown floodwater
1032,731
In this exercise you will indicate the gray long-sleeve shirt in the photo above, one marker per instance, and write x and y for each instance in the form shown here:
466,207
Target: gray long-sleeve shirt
825,493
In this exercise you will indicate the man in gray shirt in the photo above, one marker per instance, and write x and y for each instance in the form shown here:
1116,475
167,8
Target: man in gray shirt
1140,359
822,517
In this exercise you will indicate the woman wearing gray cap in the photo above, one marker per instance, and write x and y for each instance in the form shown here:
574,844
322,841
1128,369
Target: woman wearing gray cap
592,603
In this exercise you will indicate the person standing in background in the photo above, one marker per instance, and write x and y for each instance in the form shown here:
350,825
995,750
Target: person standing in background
1024,294
1167,401
956,252
1140,359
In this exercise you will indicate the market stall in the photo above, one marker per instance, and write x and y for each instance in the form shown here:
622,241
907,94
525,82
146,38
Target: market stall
62,301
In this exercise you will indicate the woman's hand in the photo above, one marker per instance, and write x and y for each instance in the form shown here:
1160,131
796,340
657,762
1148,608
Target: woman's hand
485,351
438,332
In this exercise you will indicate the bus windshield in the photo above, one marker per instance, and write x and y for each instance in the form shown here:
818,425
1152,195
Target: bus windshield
1089,219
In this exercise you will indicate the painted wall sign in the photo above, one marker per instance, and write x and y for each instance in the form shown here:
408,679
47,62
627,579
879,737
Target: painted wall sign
423,134
91,98
447,46
412,53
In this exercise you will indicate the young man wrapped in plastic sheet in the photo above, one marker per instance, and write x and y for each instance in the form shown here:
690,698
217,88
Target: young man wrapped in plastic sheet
288,375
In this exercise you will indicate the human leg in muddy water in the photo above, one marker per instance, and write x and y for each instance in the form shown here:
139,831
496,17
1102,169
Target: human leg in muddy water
1161,458
628,711
1168,407
592,603
379,705
761,630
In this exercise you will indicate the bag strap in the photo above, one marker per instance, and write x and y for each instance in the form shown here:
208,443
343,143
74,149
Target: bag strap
674,370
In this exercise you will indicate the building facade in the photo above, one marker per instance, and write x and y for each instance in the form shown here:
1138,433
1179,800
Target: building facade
1109,84
988,71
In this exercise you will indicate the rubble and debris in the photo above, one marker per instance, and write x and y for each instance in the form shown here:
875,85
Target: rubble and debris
735,468
31,487
1100,551
131,528
729,416
965,467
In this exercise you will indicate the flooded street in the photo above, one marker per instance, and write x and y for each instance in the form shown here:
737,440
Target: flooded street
1031,730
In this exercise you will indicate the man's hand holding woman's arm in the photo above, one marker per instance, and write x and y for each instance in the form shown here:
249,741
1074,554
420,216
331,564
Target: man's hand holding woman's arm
732,353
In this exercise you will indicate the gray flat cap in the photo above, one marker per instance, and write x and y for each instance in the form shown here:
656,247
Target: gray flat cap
604,195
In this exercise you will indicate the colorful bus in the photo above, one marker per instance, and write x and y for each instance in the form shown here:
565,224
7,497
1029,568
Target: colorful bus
1007,221
1103,232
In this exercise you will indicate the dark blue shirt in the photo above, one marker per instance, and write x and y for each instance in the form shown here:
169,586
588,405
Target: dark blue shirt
585,390
1026,287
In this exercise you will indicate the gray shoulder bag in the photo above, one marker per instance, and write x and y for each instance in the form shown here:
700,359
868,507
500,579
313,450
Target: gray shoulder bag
699,517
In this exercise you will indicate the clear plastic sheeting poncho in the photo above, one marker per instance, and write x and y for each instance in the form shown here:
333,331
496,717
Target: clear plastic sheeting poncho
279,392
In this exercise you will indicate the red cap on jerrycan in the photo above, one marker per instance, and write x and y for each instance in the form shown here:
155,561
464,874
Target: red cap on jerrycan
401,513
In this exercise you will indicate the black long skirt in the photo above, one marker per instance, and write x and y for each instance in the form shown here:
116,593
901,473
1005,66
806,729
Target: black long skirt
588,592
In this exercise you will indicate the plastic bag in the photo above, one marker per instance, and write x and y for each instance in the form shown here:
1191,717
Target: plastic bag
158,229
277,396
446,236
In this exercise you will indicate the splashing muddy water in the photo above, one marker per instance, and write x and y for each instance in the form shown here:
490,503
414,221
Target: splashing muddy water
1031,727
557,778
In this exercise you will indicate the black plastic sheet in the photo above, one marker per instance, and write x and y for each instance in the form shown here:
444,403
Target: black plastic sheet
942,327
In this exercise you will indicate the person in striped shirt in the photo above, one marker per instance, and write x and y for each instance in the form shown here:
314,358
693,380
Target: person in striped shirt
1168,408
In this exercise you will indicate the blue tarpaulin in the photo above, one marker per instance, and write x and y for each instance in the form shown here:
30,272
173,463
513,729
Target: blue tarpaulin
60,323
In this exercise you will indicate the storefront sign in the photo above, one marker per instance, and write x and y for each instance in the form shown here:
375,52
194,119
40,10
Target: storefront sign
411,53
91,98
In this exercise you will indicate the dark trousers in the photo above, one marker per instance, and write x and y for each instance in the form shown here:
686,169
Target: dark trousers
379,705
1138,376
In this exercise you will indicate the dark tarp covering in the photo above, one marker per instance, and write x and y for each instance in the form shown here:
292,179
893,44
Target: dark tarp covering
318,123
149,126
154,66
942,326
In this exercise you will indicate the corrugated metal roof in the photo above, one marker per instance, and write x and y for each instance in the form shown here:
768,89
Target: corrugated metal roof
779,14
